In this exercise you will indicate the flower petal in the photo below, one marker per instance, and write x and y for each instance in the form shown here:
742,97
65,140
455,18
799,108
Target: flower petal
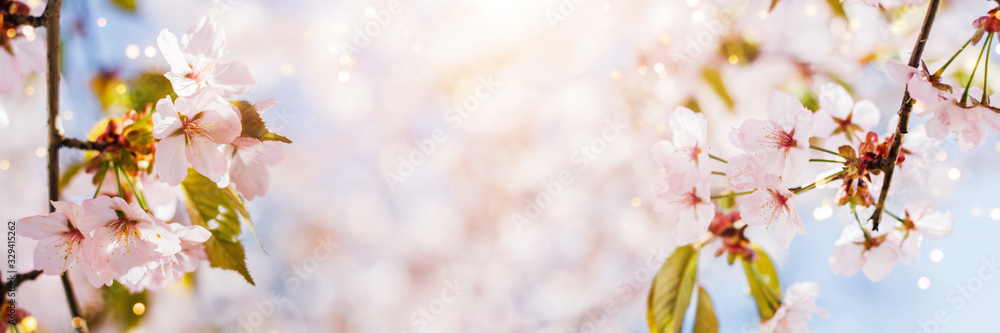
171,162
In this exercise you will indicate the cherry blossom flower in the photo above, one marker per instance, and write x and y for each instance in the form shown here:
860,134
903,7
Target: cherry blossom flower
922,221
195,61
126,241
190,131
691,202
992,114
918,83
247,167
782,142
61,245
951,118
772,204
249,157
797,307
875,254
744,172
839,119
687,154
173,269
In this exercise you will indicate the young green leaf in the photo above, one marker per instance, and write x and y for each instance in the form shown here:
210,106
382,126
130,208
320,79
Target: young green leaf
671,291
764,285
207,202
119,307
253,124
704,317
714,80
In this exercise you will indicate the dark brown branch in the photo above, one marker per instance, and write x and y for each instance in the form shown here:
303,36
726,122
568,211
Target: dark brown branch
17,20
904,114
83,145
50,20
16,282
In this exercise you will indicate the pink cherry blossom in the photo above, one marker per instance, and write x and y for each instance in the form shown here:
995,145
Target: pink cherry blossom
992,114
195,61
840,120
690,201
248,165
965,121
797,307
126,241
190,131
773,205
61,244
744,172
921,222
782,142
687,154
917,83
174,267
852,252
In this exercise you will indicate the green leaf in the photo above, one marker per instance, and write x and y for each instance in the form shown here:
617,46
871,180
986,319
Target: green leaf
704,317
69,173
148,88
227,255
764,285
253,124
207,202
670,294
714,80
118,305
125,5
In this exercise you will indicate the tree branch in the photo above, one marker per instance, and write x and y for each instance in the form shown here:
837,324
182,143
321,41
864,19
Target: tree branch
904,114
50,20
17,20
14,283
83,145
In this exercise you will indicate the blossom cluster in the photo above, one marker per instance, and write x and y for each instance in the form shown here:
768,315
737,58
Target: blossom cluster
110,239
117,235
762,179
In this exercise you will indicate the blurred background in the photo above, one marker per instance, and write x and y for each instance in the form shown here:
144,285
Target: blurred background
484,165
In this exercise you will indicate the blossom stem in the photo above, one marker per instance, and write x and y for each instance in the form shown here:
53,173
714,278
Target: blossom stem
940,71
895,217
131,185
827,151
986,70
965,95
730,195
904,113
827,161
100,184
717,158
118,180
816,183
868,238
718,173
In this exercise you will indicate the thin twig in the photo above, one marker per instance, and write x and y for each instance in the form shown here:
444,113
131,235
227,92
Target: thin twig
16,19
15,282
904,114
83,145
